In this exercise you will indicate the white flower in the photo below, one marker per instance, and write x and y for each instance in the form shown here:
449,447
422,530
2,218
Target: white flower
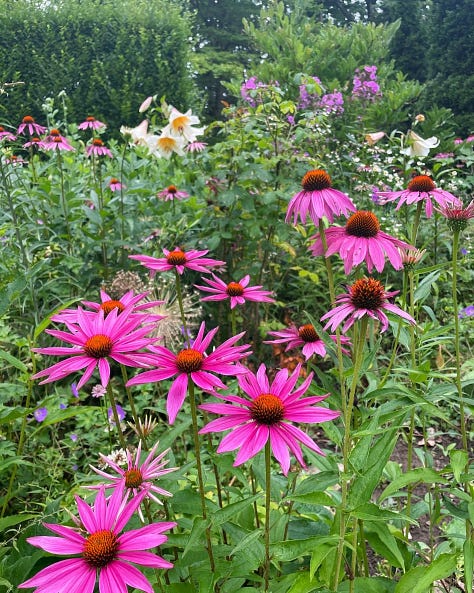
418,146
373,138
139,134
181,124
145,105
165,145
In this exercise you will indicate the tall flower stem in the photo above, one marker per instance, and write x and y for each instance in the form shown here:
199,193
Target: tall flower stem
132,405
63,198
113,405
197,453
179,294
346,446
266,565
100,195
122,214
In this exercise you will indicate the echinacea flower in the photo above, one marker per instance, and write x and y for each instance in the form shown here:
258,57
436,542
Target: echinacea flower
361,240
179,260
95,338
6,135
418,146
366,296
91,123
237,292
457,215
55,141
172,193
34,143
102,549
420,188
33,128
318,199
181,124
193,364
114,184
305,336
98,148
411,257
196,146
137,477
268,414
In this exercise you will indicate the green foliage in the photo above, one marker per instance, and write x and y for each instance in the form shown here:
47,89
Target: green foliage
106,56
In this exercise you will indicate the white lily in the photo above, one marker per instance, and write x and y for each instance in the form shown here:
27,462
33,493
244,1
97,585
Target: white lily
139,134
374,137
165,145
418,146
181,124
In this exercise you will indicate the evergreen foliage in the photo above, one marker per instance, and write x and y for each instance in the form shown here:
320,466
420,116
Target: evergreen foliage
106,55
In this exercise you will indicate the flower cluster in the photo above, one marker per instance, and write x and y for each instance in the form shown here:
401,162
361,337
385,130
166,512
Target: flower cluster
365,85
249,88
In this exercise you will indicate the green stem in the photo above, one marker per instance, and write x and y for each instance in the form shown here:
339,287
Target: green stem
132,406
266,566
63,198
411,280
116,416
122,215
179,294
197,454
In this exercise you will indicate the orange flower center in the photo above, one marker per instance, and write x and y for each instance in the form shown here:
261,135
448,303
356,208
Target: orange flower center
177,258
97,142
179,123
35,140
316,179
367,293
234,289
307,333
57,139
421,183
267,409
98,346
114,180
90,118
100,548
172,189
167,144
28,119
54,132
189,360
109,306
363,224
2,129
133,478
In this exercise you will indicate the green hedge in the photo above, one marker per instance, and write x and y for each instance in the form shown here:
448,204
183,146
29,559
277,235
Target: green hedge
106,55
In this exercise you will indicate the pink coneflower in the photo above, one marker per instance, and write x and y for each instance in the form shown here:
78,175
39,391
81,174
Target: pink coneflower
137,477
305,336
115,185
172,193
6,135
29,123
411,257
108,304
457,216
237,292
196,146
95,338
361,239
179,260
193,364
421,187
55,141
268,415
91,123
103,551
366,296
318,199
98,148
34,143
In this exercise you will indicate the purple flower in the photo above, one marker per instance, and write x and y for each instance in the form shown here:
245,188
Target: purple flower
332,102
73,437
365,84
40,414
62,406
466,312
120,414
74,390
309,93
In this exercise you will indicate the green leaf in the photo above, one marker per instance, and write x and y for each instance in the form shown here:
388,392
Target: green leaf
382,542
368,585
9,414
6,522
47,320
60,415
319,554
199,527
232,510
302,583
289,550
246,541
468,550
320,498
420,579
18,364
371,512
425,475
459,461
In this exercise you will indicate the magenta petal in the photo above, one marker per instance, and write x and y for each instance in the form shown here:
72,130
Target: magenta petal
131,576
145,559
176,396
56,545
62,574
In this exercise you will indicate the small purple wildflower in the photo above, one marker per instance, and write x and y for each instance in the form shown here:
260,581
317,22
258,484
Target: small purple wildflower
73,437
40,414
74,390
466,312
120,413
62,406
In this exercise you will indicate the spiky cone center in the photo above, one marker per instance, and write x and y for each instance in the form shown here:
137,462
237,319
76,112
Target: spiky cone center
189,360
57,139
363,224
176,258
97,142
307,333
54,132
114,180
28,119
316,179
172,189
367,293
100,548
421,183
109,306
234,289
2,129
267,409
133,478
98,346
90,118
35,140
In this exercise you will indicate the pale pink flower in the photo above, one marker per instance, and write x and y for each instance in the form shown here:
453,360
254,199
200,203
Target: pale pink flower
6,135
318,200
95,338
91,123
55,141
361,240
114,184
101,548
420,188
305,336
98,148
179,260
196,146
145,105
137,135
457,215
34,143
33,128
366,297
268,414
172,193
193,364
237,292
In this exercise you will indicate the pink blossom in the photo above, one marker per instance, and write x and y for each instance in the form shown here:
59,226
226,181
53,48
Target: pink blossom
6,135
29,123
172,193
114,184
54,141
237,292
305,336
179,260
91,123
98,148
